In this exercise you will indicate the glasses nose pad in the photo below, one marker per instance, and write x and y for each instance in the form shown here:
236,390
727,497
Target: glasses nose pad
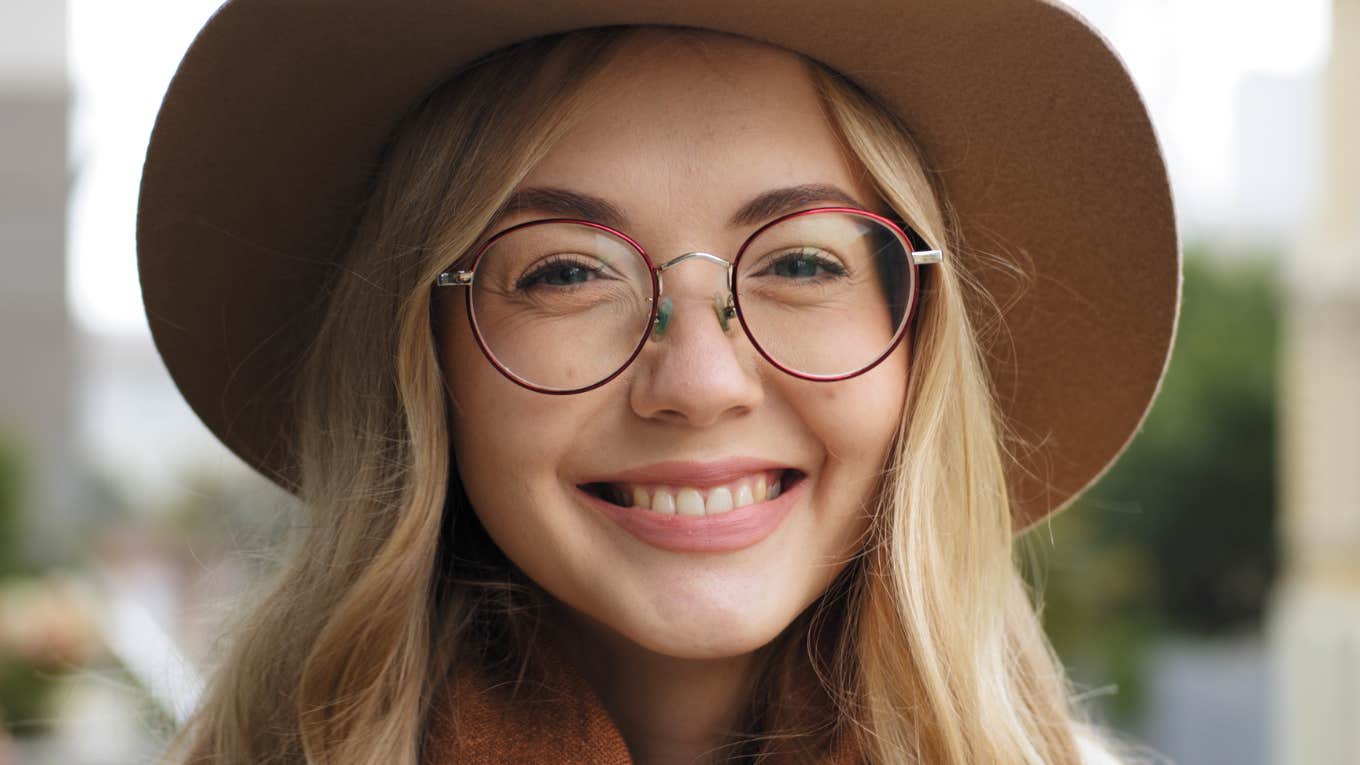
723,306
726,310
662,320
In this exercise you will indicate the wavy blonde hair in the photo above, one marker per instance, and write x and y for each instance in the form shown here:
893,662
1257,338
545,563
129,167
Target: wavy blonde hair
927,648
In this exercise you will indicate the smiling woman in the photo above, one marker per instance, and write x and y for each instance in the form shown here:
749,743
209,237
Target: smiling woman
647,413
637,482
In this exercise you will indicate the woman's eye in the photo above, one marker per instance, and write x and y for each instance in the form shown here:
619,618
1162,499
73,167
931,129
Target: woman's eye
558,274
806,265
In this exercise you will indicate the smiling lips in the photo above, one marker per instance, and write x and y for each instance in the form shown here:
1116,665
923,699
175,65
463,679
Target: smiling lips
699,507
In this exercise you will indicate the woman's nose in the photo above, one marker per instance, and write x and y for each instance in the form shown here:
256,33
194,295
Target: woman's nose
696,372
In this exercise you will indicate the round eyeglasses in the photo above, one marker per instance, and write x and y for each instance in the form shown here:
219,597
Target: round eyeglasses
564,305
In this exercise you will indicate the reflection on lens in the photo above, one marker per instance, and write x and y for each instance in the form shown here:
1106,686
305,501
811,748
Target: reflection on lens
825,294
561,306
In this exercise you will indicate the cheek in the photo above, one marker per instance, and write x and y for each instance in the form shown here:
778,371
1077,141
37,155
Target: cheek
856,421
490,441
508,442
482,400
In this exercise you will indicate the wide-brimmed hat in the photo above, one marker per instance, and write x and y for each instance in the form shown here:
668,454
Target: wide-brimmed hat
269,133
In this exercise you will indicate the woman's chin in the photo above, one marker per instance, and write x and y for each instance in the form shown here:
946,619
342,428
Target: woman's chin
706,636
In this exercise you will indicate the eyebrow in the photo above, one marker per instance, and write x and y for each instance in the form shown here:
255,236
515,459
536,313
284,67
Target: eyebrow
766,205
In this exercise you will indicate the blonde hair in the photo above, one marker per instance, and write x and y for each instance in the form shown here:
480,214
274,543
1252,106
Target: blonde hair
927,648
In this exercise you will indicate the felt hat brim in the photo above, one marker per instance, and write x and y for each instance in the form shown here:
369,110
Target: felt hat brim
273,124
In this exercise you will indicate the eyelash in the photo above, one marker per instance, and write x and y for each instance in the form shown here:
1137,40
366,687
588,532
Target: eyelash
833,267
534,277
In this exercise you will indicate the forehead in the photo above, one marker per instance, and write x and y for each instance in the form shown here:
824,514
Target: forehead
696,124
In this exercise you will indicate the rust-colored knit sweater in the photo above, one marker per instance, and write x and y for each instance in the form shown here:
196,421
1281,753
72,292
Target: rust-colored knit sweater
565,725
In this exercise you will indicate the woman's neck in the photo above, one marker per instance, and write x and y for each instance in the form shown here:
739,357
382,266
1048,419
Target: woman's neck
669,711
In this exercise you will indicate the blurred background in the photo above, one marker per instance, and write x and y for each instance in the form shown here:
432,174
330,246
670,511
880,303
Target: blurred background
1205,595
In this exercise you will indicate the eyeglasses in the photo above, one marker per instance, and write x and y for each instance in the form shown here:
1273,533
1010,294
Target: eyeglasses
564,305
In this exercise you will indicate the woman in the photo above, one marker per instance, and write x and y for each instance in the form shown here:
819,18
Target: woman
661,401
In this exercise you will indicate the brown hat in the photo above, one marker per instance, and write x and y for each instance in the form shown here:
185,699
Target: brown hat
1028,119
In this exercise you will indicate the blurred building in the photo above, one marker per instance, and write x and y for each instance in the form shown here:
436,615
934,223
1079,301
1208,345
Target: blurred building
138,437
36,376
1278,161
1316,616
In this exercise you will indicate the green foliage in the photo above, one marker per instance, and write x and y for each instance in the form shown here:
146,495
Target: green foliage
23,687
13,486
1097,611
1180,533
25,691
1202,471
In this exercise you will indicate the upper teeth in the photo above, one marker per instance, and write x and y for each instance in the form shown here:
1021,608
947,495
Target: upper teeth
712,500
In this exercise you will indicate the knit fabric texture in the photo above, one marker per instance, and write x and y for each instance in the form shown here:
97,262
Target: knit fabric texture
476,722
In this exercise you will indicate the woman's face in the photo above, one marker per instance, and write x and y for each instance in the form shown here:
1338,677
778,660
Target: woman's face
678,137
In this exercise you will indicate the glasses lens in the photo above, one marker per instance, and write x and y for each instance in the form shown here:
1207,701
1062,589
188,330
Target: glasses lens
562,306
825,294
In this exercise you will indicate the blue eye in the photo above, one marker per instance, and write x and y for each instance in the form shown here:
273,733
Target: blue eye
806,264
558,273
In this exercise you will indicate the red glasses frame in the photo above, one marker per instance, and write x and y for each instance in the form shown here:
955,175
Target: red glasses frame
915,258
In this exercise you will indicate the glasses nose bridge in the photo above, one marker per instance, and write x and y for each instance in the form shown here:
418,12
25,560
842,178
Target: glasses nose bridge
705,256
723,306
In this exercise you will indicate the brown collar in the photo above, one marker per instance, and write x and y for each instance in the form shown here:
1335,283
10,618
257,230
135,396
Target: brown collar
565,724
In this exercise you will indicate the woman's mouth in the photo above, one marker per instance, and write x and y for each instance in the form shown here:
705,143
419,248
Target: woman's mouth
696,507
671,499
